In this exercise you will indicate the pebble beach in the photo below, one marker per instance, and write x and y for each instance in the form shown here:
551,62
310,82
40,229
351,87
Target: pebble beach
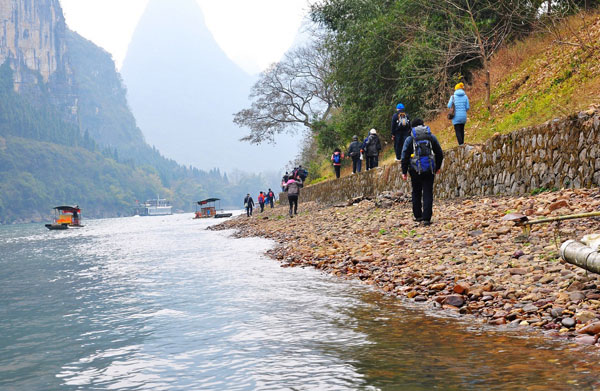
469,261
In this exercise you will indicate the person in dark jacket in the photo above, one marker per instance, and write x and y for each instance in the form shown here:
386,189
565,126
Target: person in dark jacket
248,204
372,149
336,158
363,151
460,101
292,187
271,198
400,129
422,158
354,153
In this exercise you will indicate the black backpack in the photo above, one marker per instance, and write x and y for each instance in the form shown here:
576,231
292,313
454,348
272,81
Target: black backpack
423,158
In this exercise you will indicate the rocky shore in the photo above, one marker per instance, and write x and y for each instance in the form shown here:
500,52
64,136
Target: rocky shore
469,261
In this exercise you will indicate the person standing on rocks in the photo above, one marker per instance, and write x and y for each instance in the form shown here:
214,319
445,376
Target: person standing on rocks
372,148
271,198
292,187
261,201
460,102
248,204
354,153
422,158
336,158
400,129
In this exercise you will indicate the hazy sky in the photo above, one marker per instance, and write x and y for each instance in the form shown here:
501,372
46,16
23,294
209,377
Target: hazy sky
241,27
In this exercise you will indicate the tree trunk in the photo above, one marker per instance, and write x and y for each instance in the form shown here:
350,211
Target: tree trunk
488,85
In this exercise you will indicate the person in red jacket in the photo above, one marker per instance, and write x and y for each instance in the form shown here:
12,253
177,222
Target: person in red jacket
261,201
336,158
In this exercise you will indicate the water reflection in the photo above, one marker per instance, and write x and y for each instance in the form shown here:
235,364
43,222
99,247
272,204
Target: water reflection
163,304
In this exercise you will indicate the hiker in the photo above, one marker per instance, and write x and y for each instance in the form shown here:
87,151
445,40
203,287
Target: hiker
271,198
459,105
373,146
284,180
336,158
354,151
422,158
363,149
261,201
400,129
293,191
248,204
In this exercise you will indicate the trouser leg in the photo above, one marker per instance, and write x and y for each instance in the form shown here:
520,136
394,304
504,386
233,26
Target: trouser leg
271,201
337,171
359,165
459,130
354,164
417,193
397,146
427,183
291,201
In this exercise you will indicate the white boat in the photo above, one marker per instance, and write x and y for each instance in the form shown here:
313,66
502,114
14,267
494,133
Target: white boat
156,207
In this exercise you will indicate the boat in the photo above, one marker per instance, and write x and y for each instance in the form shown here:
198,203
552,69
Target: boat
66,217
155,207
208,209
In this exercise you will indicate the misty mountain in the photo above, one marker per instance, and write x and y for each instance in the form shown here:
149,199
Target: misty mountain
183,90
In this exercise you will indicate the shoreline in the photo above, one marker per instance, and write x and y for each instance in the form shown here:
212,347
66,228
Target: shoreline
468,261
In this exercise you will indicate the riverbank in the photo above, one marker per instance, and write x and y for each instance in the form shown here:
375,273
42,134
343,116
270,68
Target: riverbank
469,261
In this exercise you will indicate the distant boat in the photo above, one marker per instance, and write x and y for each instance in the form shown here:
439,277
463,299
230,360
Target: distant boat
208,210
65,217
156,207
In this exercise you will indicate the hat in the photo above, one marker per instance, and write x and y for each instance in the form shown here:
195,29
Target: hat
400,106
418,122
373,131
459,86
355,138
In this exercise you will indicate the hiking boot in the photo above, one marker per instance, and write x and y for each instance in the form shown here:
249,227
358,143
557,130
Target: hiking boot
418,219
426,223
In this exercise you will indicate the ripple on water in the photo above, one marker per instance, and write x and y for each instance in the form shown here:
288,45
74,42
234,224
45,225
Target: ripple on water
163,304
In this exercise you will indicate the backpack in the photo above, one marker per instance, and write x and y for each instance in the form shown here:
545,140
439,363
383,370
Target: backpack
423,158
337,158
403,120
271,195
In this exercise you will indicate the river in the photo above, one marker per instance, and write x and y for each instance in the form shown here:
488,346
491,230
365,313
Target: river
161,303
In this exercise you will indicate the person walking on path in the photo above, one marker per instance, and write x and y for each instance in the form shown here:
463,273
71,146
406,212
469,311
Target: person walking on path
400,129
248,204
271,198
363,152
422,158
373,146
354,153
261,201
292,187
336,158
460,102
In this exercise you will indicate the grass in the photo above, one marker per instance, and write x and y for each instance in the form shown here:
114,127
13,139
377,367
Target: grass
533,81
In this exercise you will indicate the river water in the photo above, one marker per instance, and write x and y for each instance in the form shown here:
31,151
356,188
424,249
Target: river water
160,303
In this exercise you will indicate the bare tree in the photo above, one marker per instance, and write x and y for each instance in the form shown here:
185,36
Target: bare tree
296,91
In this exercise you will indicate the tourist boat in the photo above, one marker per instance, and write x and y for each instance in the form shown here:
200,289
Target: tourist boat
65,217
155,207
209,210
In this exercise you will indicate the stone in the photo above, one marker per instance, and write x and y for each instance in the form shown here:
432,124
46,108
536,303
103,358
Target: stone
585,316
586,340
517,271
438,287
568,322
556,312
420,298
529,308
576,296
592,329
455,300
461,288
518,254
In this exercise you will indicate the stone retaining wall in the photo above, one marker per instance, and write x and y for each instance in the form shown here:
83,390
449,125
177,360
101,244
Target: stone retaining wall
560,153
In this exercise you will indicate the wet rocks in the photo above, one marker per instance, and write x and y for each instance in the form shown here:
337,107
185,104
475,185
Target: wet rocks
468,262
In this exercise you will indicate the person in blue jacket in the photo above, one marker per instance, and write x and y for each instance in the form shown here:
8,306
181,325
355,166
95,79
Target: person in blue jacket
460,100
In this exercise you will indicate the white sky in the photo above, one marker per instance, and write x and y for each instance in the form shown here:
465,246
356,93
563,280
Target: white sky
110,24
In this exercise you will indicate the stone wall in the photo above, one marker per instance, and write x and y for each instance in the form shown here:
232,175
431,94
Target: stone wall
560,153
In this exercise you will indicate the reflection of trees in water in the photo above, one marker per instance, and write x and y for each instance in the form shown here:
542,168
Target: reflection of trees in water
410,350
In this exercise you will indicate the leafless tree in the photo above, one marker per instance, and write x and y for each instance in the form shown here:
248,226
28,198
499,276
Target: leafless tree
297,91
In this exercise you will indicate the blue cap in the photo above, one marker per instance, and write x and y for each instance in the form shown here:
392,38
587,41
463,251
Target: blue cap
400,106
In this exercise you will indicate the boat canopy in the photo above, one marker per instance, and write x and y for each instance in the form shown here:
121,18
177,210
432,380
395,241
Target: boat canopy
70,209
206,201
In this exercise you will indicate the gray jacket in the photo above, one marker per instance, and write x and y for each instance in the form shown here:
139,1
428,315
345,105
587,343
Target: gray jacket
293,187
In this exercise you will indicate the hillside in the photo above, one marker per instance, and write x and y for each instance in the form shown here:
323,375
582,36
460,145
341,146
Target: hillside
545,76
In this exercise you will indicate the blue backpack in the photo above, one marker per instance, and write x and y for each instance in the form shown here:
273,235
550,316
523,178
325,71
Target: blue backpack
423,158
337,158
